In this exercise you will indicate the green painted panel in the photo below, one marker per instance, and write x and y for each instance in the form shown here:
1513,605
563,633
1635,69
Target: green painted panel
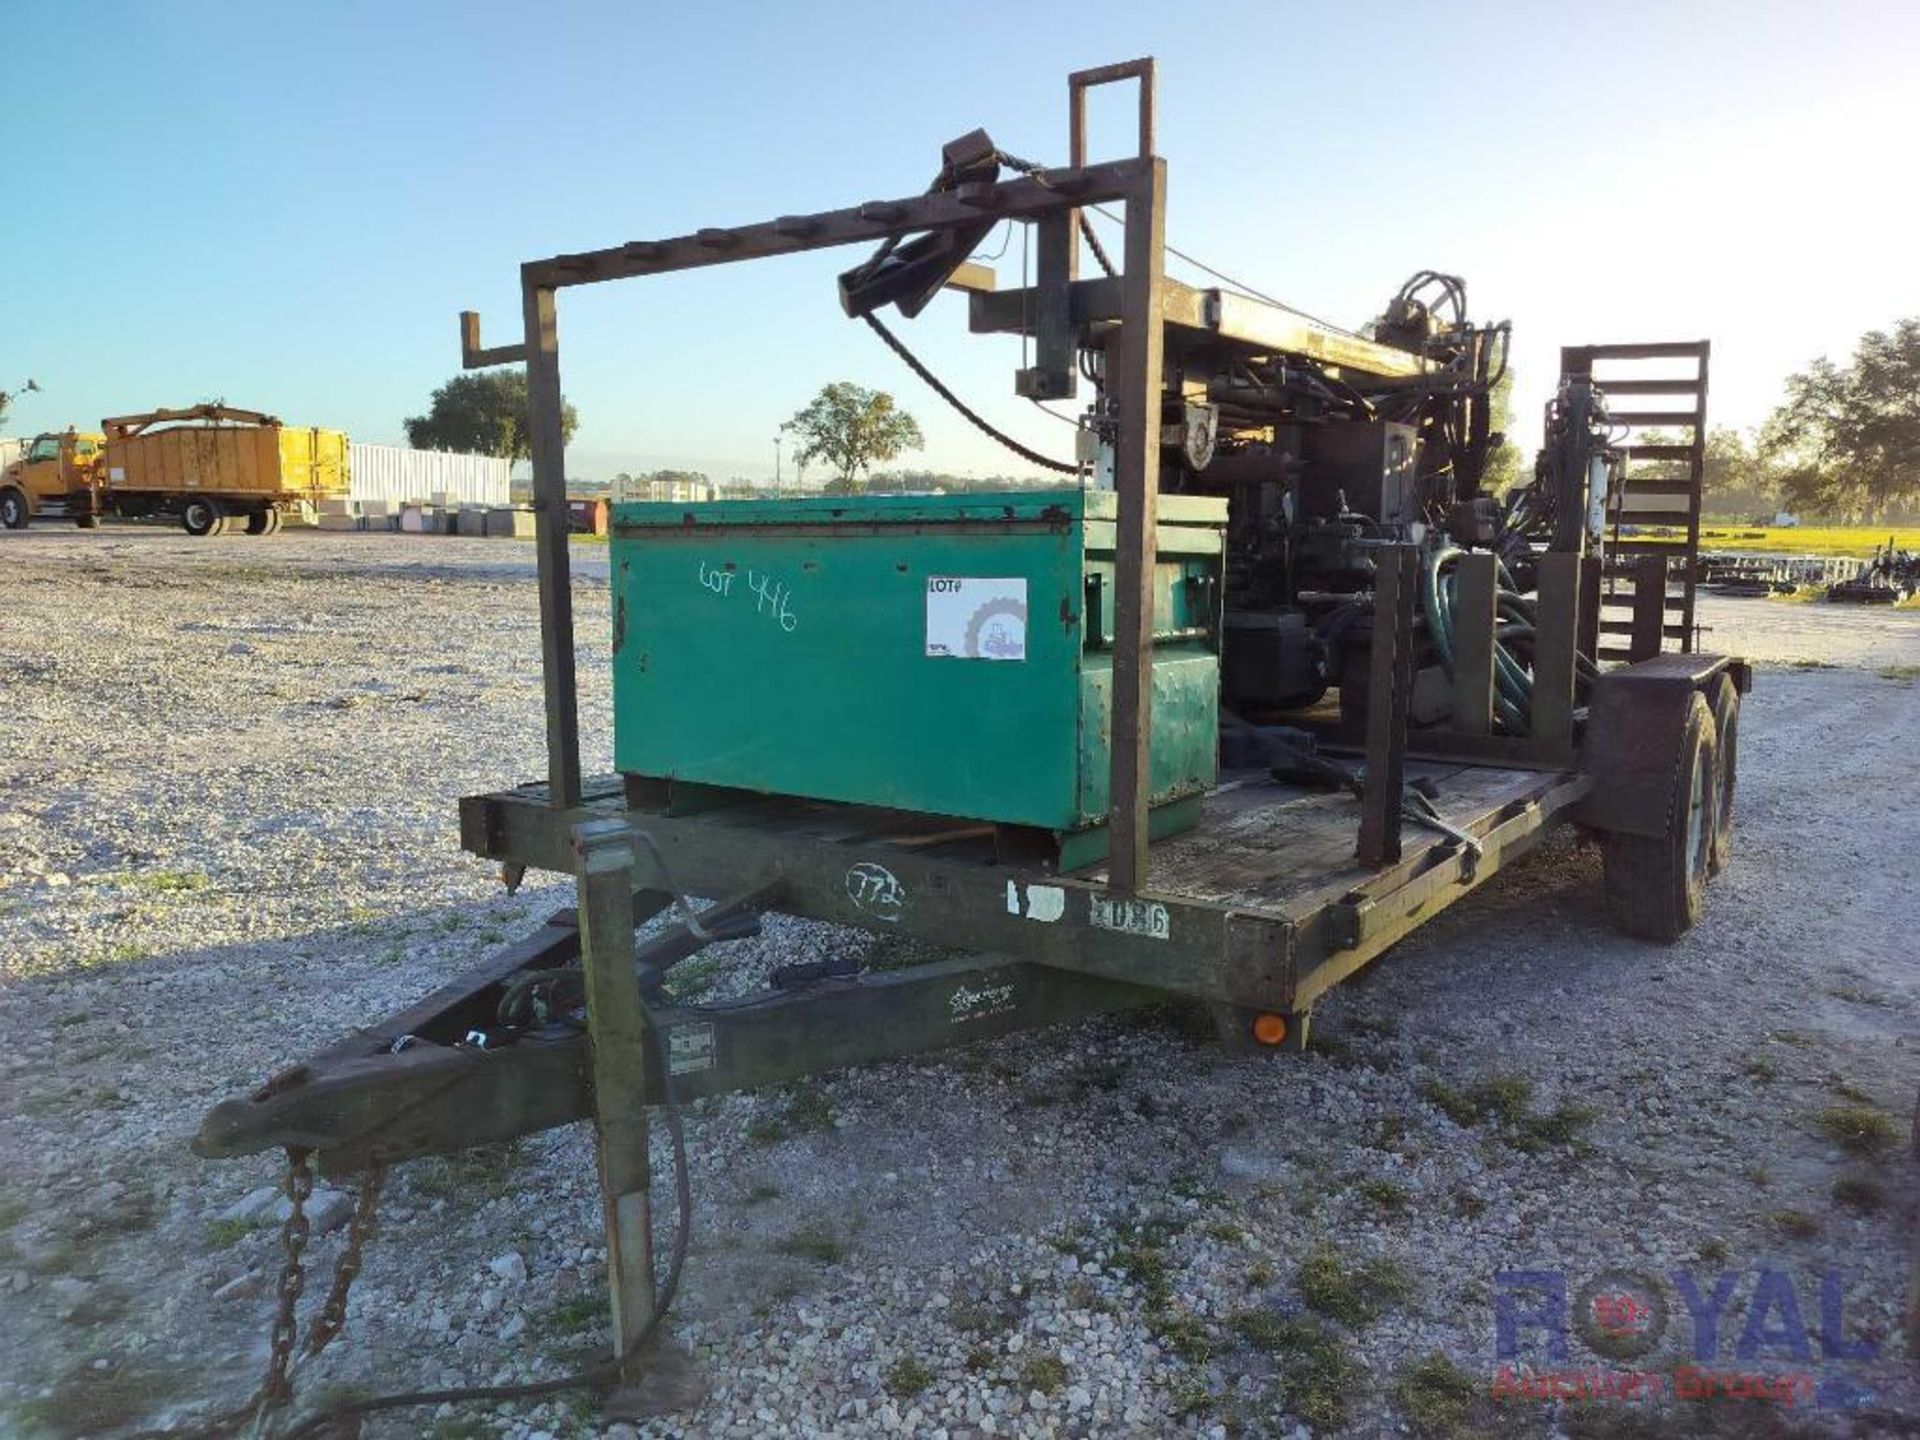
784,647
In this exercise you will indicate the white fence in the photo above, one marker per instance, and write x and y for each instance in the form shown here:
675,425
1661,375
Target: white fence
396,474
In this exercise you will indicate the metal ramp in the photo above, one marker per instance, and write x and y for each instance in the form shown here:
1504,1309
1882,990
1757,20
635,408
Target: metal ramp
1648,581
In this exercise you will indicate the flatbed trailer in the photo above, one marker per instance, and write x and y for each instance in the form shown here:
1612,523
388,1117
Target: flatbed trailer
1281,890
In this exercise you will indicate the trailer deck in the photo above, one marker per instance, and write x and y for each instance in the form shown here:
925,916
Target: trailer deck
1260,908
1248,908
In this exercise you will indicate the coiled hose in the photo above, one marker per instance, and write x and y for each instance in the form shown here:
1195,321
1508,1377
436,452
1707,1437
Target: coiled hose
1515,627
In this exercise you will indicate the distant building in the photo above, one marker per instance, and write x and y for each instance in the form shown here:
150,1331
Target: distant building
678,487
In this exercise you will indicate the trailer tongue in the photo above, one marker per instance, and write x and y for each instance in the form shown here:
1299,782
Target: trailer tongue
992,722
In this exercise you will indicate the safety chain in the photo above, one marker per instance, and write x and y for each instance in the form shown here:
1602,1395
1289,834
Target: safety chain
913,363
1038,172
276,1390
333,1311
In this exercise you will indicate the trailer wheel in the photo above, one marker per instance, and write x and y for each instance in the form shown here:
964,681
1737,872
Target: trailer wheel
13,509
275,519
200,516
1656,883
1725,702
87,522
260,522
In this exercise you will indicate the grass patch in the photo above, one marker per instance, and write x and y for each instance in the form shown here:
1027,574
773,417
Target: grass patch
907,1376
485,1172
1225,1231
1080,1295
1847,1090
761,1193
13,1210
1856,1192
1500,1098
1905,674
1856,542
1045,1373
88,1402
1355,1295
1183,1333
1434,1395
1317,1373
459,1427
1811,664
1139,1253
974,1317
1759,1067
1505,1101
166,882
1713,1250
1188,1396
1858,1129
575,1316
1794,1224
813,1242
224,1234
1387,1196
691,979
1393,1135
804,1109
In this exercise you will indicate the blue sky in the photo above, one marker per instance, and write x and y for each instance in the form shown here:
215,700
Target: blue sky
286,205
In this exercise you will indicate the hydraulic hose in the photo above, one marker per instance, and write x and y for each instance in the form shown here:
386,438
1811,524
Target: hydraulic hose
1515,626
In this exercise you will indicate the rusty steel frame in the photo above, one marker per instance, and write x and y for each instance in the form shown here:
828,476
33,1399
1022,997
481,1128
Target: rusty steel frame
1052,198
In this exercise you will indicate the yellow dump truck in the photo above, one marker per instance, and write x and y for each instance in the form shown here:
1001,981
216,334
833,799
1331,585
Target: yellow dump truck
210,466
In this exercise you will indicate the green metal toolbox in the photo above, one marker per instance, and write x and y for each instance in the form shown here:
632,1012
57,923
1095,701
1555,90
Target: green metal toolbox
944,654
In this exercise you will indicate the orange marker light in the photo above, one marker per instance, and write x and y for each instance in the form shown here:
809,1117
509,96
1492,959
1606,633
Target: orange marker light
1270,1029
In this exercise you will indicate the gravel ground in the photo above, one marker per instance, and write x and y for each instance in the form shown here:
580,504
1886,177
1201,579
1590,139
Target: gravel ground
228,771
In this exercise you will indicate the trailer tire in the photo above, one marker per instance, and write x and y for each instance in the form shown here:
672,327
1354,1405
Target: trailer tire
200,516
275,519
13,509
260,522
1656,884
87,522
1724,699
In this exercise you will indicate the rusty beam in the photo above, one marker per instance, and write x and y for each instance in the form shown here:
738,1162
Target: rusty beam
1137,387
1022,199
1396,585
473,356
1475,609
551,526
616,1037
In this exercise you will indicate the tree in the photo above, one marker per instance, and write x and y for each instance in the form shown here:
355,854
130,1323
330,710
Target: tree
485,413
1735,476
1847,440
6,397
852,429
1503,460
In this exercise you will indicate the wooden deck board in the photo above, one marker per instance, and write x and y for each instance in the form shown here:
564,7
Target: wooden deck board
1261,846
1276,848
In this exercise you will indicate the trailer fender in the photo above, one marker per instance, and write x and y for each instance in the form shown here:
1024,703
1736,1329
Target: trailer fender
1632,746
